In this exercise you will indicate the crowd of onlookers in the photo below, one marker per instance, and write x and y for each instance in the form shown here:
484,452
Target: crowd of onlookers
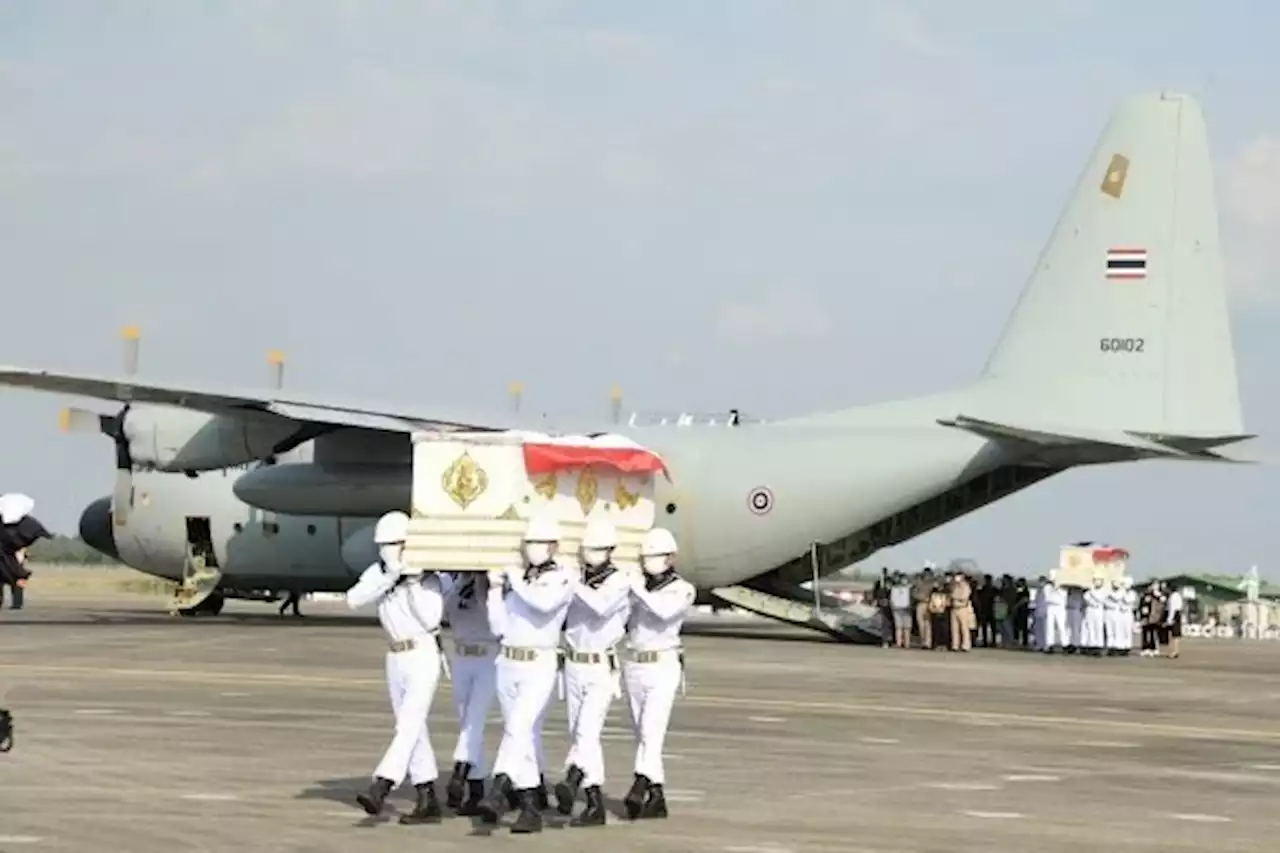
958,610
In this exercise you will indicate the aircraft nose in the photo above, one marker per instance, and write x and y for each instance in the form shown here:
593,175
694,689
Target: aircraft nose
95,527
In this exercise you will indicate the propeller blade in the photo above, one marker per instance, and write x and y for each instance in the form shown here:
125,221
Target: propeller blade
275,358
132,338
122,497
615,403
516,390
73,419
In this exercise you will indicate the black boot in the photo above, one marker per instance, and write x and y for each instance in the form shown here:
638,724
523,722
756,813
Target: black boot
475,793
634,800
593,814
541,798
529,819
656,803
372,800
427,809
567,791
494,806
457,783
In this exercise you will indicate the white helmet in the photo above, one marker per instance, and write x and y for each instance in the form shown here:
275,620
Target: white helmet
542,529
15,506
600,533
658,542
1053,576
391,528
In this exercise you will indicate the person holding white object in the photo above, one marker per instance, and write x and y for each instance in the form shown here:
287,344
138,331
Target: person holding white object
534,599
655,668
410,607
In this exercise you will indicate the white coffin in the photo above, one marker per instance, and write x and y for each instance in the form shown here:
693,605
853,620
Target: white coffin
472,497
1079,564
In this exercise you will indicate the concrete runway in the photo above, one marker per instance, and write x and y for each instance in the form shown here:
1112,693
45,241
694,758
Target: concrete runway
142,732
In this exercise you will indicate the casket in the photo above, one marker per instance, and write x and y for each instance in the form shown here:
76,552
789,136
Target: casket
473,494
1078,564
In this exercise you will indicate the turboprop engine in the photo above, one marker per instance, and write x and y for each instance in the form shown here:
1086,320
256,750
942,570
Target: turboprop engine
171,438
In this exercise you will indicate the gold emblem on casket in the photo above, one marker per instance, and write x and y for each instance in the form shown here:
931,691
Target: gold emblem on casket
588,490
464,481
546,486
625,499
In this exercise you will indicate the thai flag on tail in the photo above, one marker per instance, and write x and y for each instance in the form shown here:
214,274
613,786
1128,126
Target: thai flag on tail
1126,264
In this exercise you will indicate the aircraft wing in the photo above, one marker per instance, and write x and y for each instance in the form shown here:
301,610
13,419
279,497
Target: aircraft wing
1139,443
298,407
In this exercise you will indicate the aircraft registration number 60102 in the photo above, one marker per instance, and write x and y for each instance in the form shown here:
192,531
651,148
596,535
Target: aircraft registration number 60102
1122,344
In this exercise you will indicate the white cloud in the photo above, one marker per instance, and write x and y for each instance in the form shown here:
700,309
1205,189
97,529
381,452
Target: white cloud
906,28
1250,197
776,314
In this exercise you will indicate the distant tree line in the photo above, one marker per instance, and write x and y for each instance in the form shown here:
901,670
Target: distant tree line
68,549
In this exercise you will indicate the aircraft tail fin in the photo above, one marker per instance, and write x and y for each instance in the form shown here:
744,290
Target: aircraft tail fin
1123,323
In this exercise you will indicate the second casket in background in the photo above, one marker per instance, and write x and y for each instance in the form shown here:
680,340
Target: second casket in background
1079,563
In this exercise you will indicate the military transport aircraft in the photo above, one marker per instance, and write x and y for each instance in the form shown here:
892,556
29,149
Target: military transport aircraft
1118,349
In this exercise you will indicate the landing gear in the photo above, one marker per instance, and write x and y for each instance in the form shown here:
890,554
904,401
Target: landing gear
210,606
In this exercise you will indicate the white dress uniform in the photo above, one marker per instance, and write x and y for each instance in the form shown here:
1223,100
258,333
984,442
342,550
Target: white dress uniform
1075,616
533,613
1093,624
653,672
1112,602
1128,614
1055,616
596,621
409,609
1039,620
474,674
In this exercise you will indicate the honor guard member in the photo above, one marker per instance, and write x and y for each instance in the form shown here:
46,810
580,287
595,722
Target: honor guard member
535,602
1093,626
409,608
596,621
1055,614
655,669
1128,609
1075,618
475,651
1112,601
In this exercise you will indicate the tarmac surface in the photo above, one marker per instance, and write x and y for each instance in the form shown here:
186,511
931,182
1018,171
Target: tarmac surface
143,732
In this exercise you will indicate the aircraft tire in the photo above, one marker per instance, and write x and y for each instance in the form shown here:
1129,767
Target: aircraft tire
211,606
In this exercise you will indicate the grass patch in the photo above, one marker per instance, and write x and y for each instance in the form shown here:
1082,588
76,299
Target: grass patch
71,579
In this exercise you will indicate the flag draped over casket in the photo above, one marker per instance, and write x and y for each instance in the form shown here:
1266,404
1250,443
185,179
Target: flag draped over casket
546,455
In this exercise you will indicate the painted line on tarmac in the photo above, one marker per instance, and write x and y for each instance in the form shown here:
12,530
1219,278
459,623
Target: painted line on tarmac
840,709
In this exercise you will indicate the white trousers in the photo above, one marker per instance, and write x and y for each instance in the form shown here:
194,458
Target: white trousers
474,686
651,691
1055,627
589,691
1111,629
1074,621
1120,631
525,689
412,678
1039,628
1092,628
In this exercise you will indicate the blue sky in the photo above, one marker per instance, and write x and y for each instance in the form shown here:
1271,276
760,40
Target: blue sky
784,206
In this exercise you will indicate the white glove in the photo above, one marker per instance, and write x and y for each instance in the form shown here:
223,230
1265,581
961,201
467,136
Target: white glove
497,577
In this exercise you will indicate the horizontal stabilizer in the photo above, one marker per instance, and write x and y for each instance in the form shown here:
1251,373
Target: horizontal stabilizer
1139,445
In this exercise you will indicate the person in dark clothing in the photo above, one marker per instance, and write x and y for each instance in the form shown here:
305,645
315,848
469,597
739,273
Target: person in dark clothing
1021,613
984,607
292,600
19,530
